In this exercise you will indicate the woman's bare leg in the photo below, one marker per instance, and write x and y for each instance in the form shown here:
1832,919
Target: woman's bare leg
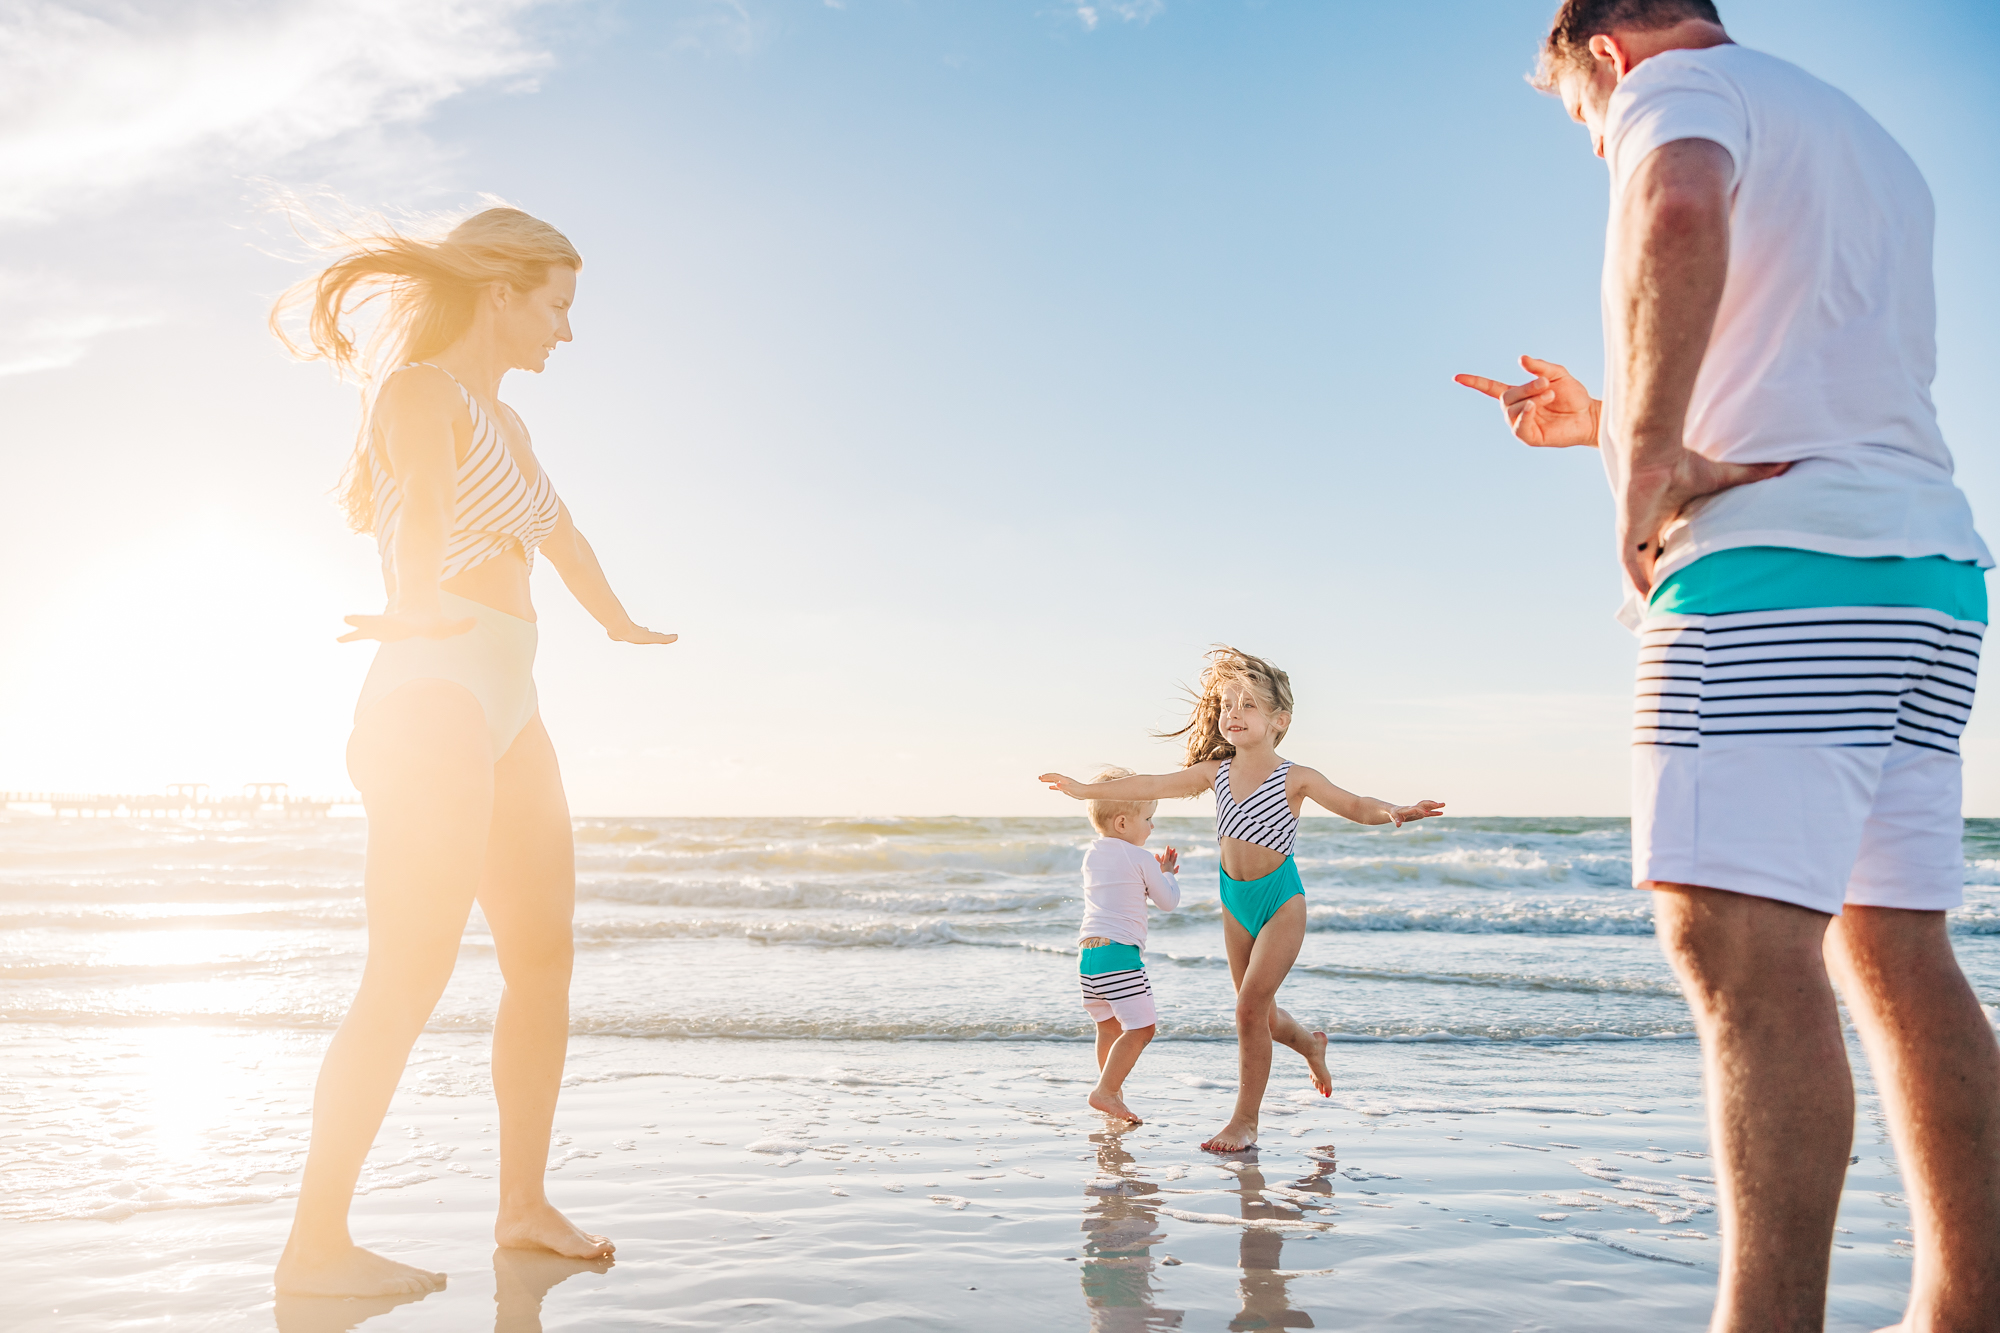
528,895
423,764
1258,967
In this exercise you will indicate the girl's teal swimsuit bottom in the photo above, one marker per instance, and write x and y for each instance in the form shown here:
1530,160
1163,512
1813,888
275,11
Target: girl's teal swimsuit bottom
1253,902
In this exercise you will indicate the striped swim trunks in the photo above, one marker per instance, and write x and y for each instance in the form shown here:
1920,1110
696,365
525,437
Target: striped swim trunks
1806,753
1115,986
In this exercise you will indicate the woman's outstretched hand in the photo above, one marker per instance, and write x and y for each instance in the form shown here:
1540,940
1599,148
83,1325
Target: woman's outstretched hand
394,625
1057,782
631,633
1404,814
1551,411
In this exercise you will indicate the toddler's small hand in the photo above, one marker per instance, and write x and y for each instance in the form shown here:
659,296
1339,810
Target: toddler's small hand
1170,860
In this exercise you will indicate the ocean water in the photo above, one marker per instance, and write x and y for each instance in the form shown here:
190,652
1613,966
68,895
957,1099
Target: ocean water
1482,971
1490,930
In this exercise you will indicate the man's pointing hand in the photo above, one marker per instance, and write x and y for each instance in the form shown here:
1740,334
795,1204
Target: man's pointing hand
1551,411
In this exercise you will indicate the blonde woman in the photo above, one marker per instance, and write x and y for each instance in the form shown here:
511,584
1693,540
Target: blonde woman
464,799
1241,713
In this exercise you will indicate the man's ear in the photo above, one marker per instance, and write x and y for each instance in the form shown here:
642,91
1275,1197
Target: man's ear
1607,49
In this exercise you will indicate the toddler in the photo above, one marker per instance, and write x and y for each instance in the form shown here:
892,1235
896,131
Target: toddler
1119,876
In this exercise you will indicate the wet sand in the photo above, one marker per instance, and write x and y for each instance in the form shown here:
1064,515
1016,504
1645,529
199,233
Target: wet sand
826,1185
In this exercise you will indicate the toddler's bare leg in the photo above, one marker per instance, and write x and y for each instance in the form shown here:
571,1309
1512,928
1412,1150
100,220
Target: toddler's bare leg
1107,1033
1109,1094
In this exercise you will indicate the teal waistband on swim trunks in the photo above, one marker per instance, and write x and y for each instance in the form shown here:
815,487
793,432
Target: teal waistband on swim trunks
1253,902
1782,578
1108,958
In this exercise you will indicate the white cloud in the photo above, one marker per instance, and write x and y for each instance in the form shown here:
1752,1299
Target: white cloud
50,320
98,98
1129,11
709,26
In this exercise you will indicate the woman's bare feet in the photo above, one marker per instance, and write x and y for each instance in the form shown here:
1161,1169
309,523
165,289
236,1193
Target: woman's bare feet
1112,1105
1237,1135
540,1227
1322,1080
352,1271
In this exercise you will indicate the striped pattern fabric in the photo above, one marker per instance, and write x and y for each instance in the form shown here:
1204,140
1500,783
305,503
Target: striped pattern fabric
1127,984
1848,675
1264,817
495,508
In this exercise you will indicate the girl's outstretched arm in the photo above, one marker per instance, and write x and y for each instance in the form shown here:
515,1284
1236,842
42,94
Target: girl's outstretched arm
1364,809
1192,781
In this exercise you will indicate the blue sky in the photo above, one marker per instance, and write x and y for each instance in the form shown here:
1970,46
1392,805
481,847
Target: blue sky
949,375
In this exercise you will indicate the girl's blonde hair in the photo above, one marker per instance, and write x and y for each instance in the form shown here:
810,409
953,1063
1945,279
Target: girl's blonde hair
432,284
1230,666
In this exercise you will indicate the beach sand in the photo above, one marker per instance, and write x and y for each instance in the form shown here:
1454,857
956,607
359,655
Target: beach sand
917,1185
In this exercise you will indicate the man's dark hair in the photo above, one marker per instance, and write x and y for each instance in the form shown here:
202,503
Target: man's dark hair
1567,46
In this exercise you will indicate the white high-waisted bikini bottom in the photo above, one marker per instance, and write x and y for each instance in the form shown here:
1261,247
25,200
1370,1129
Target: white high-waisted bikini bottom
495,660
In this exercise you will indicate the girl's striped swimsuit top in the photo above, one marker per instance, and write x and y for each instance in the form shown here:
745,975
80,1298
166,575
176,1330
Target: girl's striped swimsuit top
494,507
1264,816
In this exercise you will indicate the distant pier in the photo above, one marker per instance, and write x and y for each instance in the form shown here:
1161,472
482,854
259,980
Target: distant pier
185,800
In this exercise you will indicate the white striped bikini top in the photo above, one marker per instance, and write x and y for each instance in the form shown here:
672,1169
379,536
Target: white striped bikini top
1264,816
495,508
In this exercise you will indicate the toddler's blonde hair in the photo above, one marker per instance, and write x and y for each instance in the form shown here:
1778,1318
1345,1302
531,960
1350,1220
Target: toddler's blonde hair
1103,814
1230,666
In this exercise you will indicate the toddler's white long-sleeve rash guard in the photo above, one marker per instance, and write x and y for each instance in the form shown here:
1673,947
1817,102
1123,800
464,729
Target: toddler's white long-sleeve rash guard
1118,878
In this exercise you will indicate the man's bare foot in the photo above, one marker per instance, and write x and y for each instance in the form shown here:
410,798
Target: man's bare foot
1322,1080
1235,1137
540,1227
1112,1105
351,1272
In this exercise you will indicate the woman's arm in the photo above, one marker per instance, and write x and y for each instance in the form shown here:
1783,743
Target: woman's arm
1192,781
584,577
419,415
1362,809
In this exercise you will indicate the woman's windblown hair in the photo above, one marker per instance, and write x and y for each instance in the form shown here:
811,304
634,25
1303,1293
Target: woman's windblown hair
1229,666
432,284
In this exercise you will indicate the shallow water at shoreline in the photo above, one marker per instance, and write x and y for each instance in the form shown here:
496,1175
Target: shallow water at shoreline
829,1185
787,1001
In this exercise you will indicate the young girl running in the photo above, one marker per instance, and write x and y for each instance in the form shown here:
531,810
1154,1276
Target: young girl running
1241,714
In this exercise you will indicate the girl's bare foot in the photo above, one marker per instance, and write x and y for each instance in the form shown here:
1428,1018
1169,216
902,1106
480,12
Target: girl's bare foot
1235,1137
352,1271
1322,1080
540,1227
1112,1105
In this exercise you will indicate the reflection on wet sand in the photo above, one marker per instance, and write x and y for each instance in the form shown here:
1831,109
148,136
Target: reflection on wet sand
522,1277
1121,1221
1267,1300
334,1314
1119,1224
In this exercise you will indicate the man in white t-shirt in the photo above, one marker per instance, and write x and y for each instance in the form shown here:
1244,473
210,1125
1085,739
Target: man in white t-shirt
1809,593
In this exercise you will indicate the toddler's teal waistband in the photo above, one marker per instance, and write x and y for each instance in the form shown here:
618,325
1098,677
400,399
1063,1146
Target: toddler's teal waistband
1109,958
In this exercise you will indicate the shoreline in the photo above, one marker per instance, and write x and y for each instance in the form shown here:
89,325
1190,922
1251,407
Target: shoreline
825,1185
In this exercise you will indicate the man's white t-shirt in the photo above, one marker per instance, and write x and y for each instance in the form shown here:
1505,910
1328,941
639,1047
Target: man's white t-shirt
1826,340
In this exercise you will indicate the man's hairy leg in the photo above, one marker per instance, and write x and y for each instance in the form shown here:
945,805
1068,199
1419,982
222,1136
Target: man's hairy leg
1780,1096
1938,1067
